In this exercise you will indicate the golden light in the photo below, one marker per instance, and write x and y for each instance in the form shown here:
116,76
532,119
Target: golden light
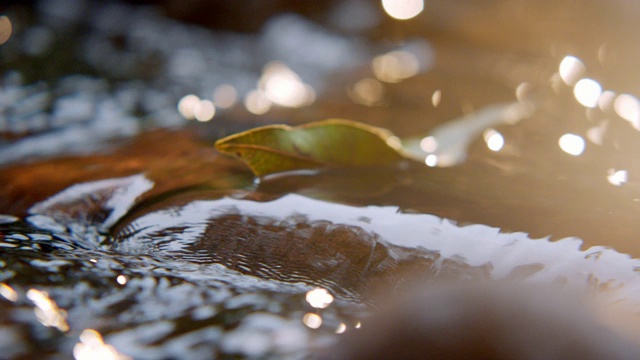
367,92
92,347
618,177
436,97
204,110
572,144
628,107
403,9
494,139
8,293
395,66
587,92
570,69
341,328
284,87
319,298
5,29
312,320
187,106
121,279
256,102
47,311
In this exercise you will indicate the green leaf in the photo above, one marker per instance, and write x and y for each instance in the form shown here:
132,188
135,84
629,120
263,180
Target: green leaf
328,143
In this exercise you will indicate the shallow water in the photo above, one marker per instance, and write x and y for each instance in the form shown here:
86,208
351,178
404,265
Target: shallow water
116,205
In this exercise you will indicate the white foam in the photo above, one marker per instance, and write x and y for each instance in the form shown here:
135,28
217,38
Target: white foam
476,244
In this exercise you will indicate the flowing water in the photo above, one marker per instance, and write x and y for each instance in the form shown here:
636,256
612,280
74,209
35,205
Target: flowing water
124,233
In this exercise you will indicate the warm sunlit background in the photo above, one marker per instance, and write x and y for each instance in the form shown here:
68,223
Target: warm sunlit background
525,114
540,93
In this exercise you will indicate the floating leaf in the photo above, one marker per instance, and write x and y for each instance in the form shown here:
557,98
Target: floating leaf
328,143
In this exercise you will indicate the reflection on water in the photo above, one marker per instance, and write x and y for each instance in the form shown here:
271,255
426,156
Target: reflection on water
519,124
92,346
47,311
310,262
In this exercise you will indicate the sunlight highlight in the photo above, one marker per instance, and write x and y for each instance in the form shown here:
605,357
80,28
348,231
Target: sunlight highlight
431,160
570,69
319,298
572,144
92,347
429,144
8,293
257,102
312,320
587,92
284,87
403,9
605,102
121,279
618,177
395,66
47,311
494,139
436,97
204,111
368,92
628,107
187,106
341,328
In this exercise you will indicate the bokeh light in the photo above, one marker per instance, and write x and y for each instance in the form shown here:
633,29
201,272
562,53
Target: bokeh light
436,97
92,347
570,69
395,66
47,311
617,177
121,279
429,144
628,107
431,160
187,106
605,102
403,9
5,29
284,87
587,92
312,320
8,293
595,134
319,298
225,96
368,91
494,140
257,102
204,110
572,144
